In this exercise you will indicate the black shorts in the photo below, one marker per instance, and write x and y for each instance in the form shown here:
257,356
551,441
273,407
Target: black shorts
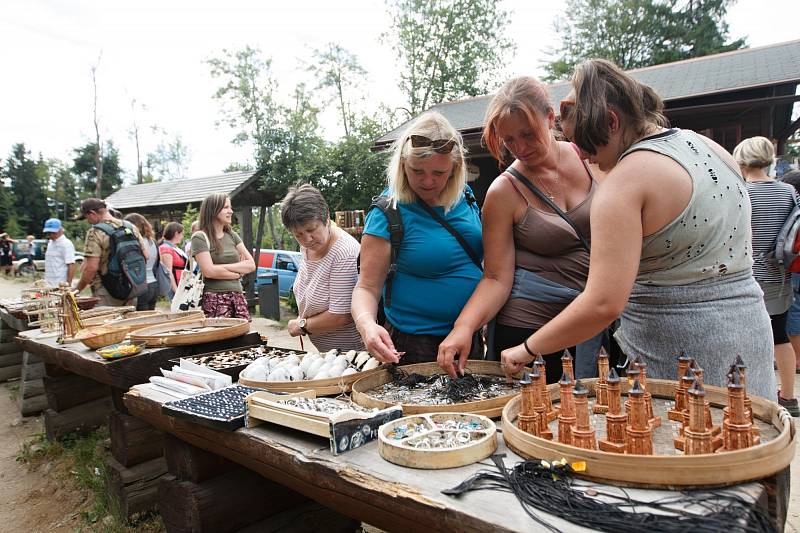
5,260
779,328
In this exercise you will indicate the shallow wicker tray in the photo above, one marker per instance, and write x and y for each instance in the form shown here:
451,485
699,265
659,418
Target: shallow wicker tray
666,471
490,408
109,314
135,323
322,387
224,328
399,453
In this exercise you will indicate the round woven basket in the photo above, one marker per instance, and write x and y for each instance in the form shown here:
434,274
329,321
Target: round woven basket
101,336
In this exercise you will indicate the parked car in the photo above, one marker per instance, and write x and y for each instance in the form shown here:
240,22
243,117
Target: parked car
283,262
19,257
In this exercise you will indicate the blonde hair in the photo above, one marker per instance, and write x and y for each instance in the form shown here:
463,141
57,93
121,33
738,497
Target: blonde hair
434,126
755,152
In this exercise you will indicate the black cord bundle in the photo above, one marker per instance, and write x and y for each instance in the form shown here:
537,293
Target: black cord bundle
549,488
462,389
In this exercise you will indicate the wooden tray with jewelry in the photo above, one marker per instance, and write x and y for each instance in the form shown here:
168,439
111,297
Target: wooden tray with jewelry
232,362
345,424
437,440
423,388
327,374
220,409
651,432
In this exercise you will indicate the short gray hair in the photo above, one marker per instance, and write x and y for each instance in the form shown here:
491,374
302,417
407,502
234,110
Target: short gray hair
303,204
755,152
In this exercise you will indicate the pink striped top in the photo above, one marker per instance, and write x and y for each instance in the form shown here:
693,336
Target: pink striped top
327,285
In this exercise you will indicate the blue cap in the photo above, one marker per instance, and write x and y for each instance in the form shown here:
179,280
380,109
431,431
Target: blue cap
52,225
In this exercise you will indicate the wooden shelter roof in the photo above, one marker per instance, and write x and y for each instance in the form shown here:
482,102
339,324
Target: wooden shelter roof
748,68
242,187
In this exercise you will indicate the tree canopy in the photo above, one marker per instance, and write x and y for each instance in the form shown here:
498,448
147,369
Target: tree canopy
449,49
639,33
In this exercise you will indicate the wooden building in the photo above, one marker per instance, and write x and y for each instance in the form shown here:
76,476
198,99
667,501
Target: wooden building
728,97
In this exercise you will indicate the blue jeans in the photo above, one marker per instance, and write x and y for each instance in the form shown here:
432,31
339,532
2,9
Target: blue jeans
793,317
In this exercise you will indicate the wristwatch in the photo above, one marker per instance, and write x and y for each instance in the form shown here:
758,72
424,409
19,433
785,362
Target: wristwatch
302,325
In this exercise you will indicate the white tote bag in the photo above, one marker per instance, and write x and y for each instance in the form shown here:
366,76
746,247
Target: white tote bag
190,289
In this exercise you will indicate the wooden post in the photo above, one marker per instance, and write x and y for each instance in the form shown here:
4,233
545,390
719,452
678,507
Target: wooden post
246,224
190,463
80,419
135,489
133,441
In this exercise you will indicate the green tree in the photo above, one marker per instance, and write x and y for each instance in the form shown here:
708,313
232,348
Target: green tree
7,212
448,48
339,70
83,166
169,160
64,191
638,33
29,186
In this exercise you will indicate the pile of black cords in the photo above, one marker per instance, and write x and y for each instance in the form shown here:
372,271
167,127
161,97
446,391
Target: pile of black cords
549,488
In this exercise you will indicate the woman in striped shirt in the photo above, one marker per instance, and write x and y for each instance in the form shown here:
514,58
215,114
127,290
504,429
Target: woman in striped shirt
771,202
324,284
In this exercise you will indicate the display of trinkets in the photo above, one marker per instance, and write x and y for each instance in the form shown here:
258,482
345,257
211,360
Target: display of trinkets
440,389
313,366
232,362
438,440
345,424
220,409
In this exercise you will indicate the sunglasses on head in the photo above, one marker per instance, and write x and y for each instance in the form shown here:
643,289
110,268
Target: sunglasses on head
440,146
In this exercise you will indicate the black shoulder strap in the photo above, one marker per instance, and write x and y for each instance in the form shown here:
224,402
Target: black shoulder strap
395,220
539,194
446,225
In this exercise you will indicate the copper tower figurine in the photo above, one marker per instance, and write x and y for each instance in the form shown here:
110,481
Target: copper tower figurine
639,433
583,432
566,419
566,365
697,434
676,413
601,388
615,418
737,429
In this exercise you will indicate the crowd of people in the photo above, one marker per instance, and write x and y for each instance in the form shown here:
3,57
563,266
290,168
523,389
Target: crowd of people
577,245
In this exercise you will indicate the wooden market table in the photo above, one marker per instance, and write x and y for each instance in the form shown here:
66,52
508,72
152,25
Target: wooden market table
361,485
84,391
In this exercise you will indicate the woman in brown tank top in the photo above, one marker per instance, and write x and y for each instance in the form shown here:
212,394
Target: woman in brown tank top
521,234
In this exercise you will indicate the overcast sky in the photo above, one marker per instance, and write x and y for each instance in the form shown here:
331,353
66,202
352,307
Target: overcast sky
154,51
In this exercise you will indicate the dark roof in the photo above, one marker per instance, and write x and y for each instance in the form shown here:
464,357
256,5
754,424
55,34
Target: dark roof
188,191
730,71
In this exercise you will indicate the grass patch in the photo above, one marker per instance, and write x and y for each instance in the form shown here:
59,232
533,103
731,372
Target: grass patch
84,465
13,391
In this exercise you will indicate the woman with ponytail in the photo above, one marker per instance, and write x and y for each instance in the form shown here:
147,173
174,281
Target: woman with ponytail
671,251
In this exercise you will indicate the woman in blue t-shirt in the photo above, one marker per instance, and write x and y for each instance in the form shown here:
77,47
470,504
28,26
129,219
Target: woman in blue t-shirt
436,273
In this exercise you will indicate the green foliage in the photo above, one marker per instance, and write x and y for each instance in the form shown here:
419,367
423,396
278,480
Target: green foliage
64,193
638,33
169,160
29,186
189,215
83,165
449,48
339,70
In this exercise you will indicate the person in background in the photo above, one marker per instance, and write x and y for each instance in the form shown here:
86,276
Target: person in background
223,259
772,202
192,230
147,301
436,273
535,262
30,252
6,251
670,242
59,258
96,251
793,315
173,257
326,278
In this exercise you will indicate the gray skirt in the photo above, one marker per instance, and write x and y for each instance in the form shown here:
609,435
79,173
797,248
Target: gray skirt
713,321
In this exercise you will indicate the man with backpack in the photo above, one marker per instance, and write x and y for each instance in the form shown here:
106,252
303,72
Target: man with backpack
115,256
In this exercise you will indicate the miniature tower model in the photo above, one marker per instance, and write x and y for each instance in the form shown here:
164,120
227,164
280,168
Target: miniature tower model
736,432
748,403
552,413
632,373
697,434
566,419
601,388
566,365
526,420
674,414
615,418
539,407
655,421
583,432
686,382
715,430
639,434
